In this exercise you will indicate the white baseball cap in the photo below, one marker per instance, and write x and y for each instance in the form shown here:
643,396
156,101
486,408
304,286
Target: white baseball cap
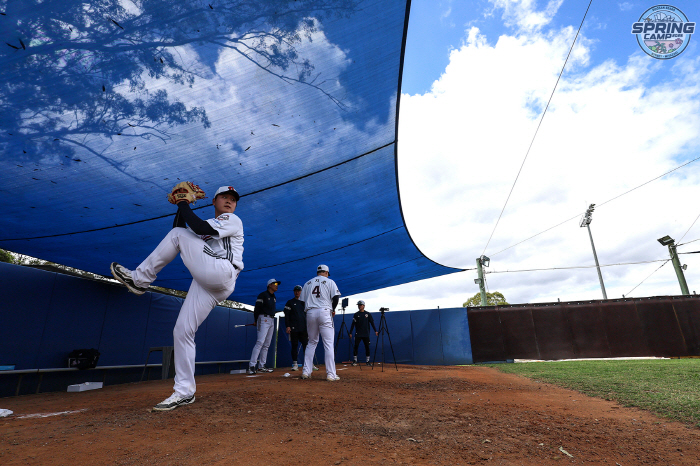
322,268
272,280
360,302
226,189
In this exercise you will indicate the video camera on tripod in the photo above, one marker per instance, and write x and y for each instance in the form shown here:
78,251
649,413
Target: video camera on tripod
380,338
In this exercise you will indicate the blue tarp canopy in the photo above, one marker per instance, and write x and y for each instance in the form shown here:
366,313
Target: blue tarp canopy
106,104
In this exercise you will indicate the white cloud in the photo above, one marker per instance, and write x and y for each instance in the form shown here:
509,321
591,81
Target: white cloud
523,15
445,14
625,6
607,131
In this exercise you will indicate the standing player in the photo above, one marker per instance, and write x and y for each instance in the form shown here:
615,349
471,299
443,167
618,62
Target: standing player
320,296
264,313
212,250
295,317
361,322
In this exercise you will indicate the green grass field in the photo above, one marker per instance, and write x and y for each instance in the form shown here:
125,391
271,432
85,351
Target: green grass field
666,387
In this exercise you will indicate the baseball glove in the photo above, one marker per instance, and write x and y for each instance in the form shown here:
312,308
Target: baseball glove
186,191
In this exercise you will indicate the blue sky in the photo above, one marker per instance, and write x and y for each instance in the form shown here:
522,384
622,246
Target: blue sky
437,27
477,75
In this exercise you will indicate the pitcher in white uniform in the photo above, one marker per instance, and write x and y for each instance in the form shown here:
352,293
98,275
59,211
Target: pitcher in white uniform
320,296
212,250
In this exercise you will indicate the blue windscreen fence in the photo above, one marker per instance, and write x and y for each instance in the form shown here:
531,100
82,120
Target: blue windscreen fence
105,105
45,315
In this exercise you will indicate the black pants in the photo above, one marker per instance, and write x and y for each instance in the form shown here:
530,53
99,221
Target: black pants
357,344
297,337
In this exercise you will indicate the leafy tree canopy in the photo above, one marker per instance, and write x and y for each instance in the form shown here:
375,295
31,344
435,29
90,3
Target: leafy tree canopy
6,257
492,299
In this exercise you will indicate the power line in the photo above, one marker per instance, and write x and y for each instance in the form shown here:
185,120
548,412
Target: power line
576,267
660,176
630,291
538,127
691,226
606,202
687,242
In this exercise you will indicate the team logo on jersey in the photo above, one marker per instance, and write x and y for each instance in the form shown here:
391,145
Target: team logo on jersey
663,31
222,217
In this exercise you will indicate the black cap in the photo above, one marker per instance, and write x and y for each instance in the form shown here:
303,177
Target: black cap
298,287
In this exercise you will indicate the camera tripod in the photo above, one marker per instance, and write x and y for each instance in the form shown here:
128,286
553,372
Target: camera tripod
342,331
383,328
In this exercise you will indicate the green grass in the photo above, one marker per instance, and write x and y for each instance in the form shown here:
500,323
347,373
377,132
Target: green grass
666,387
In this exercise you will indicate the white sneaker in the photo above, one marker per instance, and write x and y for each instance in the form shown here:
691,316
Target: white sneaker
295,367
123,275
173,401
332,378
315,368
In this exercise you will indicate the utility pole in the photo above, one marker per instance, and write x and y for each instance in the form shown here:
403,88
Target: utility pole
670,242
482,261
586,222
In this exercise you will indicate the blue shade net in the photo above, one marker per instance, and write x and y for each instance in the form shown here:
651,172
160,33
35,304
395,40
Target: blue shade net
105,105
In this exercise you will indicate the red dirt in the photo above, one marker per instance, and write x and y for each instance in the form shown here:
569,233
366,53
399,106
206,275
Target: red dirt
418,415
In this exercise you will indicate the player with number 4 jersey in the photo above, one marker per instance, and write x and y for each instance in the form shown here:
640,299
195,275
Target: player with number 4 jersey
320,296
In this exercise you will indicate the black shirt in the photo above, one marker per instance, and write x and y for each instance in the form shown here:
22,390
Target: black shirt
294,315
362,320
265,305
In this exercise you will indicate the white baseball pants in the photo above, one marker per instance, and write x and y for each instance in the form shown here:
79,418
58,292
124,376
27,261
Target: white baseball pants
213,281
319,322
266,327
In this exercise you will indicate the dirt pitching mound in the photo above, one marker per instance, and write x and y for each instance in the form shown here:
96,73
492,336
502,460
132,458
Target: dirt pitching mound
416,415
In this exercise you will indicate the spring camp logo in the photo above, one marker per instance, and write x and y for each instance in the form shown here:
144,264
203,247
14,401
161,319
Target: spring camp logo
663,31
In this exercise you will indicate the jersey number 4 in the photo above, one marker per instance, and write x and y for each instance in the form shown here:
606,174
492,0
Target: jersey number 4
316,291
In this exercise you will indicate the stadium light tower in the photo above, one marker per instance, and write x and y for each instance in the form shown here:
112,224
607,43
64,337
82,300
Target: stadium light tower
482,261
670,242
586,222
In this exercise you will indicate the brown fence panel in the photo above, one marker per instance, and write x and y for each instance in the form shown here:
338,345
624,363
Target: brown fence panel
553,332
661,327
688,314
486,335
624,329
519,340
658,326
590,339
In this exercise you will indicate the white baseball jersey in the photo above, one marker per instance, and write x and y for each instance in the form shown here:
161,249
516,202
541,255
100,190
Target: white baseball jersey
318,293
228,244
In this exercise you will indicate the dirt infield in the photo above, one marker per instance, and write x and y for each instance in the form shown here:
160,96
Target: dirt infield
417,415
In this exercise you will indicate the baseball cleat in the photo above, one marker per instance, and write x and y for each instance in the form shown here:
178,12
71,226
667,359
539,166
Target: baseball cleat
354,363
304,376
173,401
251,370
123,275
295,367
332,378
315,368
264,369
368,364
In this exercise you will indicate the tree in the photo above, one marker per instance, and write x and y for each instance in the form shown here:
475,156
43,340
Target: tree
6,257
492,299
